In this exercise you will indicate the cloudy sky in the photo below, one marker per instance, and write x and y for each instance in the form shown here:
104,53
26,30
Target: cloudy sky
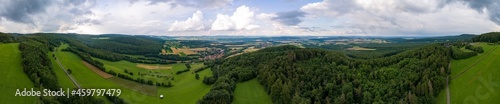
252,17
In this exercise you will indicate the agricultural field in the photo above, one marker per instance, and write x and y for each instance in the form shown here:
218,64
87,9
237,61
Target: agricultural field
357,48
133,92
12,76
476,79
176,48
247,50
247,92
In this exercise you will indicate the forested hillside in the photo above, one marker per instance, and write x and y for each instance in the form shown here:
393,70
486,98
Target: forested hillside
491,37
83,44
136,45
6,38
292,75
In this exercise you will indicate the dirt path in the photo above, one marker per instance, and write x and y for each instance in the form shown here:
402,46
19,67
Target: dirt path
97,70
64,69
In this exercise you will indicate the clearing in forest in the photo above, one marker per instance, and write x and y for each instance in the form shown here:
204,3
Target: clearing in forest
357,48
247,92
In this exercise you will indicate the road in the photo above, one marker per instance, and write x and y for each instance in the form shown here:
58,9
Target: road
64,69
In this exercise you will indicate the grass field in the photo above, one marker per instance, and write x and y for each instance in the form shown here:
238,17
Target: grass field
63,79
184,50
186,89
480,83
251,92
166,70
12,76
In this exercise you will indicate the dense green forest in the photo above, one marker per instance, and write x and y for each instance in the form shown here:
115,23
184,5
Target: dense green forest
491,37
6,38
293,75
135,45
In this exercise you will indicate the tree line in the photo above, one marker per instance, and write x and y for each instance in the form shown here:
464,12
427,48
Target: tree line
459,53
38,67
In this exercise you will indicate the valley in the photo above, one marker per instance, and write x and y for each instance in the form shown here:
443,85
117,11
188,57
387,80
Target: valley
155,69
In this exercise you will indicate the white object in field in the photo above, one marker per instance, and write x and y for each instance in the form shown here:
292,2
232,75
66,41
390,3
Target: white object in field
161,96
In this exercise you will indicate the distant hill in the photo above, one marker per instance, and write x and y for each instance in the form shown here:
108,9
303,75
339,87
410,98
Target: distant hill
463,37
491,37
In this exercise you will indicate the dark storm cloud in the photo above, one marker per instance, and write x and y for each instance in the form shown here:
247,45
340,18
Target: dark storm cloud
492,7
289,18
75,2
21,10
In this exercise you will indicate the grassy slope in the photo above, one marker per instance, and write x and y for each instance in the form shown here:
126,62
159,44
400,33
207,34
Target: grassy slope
186,89
63,79
251,92
481,83
12,75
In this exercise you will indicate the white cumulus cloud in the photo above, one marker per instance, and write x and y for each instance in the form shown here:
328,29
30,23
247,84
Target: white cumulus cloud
191,24
242,19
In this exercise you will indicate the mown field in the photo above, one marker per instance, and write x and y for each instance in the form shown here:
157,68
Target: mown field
480,81
251,92
186,88
12,76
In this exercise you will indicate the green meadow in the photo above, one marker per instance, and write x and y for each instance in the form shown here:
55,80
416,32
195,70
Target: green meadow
12,76
251,92
480,81
150,74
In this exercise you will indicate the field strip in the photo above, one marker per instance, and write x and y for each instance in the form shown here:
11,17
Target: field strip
482,58
97,70
154,67
479,74
70,77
